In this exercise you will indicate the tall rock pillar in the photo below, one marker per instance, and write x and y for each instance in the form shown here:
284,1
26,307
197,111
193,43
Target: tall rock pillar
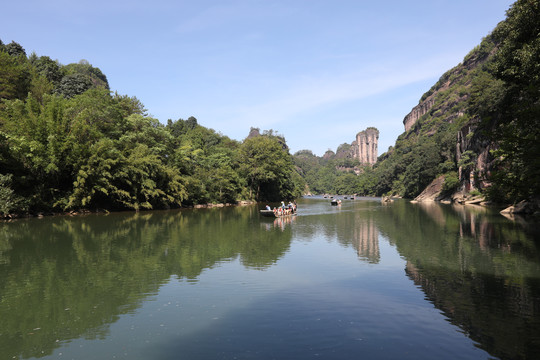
367,144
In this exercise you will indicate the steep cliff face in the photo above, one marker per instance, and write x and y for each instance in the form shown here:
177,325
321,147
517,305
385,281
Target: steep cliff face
474,159
418,111
365,148
446,108
442,139
447,99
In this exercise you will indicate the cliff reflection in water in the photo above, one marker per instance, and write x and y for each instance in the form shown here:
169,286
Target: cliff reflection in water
480,269
71,278
360,230
366,240
64,278
353,224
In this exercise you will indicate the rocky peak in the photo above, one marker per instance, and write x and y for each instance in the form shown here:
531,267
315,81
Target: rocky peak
365,148
254,132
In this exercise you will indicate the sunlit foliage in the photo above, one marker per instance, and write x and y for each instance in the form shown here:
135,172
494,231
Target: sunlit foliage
68,143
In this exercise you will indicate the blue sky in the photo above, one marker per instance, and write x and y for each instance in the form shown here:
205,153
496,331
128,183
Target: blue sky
317,72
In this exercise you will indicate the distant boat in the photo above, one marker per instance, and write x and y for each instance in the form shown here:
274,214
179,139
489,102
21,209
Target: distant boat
335,202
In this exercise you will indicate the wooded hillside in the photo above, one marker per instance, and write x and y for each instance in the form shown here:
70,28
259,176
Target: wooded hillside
68,143
477,127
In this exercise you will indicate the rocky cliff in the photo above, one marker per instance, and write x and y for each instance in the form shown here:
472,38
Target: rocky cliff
446,106
475,132
418,111
433,101
445,137
364,148
447,99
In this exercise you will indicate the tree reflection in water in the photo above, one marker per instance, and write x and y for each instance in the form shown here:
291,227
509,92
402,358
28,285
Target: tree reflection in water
481,270
65,278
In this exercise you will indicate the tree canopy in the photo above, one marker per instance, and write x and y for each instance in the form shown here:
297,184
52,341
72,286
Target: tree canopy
68,143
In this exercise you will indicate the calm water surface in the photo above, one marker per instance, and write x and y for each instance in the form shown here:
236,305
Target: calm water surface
360,280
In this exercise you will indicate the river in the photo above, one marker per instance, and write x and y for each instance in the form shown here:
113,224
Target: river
360,280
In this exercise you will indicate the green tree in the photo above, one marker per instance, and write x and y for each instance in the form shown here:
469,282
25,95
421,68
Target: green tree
267,168
98,179
15,49
150,182
129,105
80,77
9,201
517,63
74,84
347,183
47,67
15,77
94,74
325,179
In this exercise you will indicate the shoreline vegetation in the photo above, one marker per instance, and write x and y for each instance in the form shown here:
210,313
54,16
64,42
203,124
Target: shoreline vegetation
82,212
67,142
524,208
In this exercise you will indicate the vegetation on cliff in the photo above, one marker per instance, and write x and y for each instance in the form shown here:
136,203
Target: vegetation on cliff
480,130
68,143
516,112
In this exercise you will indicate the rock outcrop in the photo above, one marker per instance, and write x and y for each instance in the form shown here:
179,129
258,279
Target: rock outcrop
475,176
444,109
418,111
432,192
428,101
365,148
255,132
523,207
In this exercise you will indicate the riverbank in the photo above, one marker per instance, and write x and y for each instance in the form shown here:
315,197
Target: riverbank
79,212
434,192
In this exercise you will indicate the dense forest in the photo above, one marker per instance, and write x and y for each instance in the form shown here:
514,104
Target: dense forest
480,132
68,143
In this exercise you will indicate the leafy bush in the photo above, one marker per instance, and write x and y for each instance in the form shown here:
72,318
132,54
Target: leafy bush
451,183
9,201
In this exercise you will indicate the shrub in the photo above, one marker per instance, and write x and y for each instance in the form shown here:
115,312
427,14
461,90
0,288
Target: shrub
451,183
